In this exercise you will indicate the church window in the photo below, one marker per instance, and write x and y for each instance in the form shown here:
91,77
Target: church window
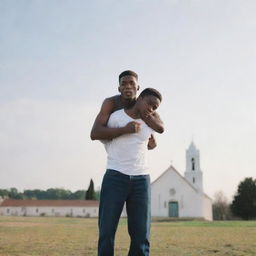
52,210
8,210
165,204
36,210
172,191
193,164
194,180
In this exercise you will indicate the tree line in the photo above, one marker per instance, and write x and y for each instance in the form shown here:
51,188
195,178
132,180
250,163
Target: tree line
242,206
51,194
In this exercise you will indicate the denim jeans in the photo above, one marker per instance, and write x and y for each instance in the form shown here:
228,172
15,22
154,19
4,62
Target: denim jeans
117,189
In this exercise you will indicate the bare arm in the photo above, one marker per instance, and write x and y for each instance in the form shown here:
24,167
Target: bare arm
154,121
100,131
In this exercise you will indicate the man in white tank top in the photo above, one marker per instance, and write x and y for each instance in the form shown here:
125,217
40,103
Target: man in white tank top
127,178
128,88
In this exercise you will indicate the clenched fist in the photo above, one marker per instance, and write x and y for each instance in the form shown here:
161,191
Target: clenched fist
152,142
132,127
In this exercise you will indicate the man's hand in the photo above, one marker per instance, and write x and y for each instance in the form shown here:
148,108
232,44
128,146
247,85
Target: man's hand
154,122
132,127
152,142
100,131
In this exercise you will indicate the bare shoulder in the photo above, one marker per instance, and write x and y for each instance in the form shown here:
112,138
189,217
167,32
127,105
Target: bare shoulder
107,108
112,103
108,104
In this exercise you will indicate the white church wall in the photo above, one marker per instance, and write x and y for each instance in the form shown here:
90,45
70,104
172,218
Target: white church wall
191,205
195,178
207,208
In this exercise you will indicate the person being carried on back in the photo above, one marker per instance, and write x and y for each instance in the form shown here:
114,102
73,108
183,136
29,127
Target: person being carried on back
127,179
128,87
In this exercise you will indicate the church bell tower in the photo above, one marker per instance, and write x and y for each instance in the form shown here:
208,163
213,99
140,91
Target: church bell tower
193,172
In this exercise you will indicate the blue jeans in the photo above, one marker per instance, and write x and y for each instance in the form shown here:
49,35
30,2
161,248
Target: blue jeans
118,188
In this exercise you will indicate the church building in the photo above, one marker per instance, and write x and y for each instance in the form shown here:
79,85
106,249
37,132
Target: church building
174,195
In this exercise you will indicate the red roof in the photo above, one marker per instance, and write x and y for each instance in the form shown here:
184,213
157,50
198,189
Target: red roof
63,203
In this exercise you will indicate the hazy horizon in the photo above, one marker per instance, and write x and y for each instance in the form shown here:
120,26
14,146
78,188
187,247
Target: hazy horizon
60,59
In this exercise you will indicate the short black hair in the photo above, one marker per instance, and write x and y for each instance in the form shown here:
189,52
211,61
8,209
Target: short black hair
128,73
151,91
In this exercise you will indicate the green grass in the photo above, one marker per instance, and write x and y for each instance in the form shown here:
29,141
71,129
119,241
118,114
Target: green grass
44,236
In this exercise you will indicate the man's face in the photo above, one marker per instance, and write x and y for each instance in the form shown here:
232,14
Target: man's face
128,87
148,105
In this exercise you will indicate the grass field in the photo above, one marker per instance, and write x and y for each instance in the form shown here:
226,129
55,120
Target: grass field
47,236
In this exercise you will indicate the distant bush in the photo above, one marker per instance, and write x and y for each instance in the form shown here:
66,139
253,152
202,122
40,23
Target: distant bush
221,207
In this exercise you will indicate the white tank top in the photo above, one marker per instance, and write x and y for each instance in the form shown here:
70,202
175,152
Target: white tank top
127,153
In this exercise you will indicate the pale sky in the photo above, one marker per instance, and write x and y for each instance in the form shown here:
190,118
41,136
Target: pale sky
60,59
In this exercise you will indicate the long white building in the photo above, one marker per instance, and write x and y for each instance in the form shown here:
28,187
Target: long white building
63,208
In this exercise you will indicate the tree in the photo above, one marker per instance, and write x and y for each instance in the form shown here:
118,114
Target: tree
57,194
244,202
4,193
97,194
90,193
78,195
14,194
220,207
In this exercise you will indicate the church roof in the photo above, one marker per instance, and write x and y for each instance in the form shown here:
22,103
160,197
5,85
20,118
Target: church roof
171,168
52,203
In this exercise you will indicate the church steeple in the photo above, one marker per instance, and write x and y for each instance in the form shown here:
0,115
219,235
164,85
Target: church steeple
193,172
